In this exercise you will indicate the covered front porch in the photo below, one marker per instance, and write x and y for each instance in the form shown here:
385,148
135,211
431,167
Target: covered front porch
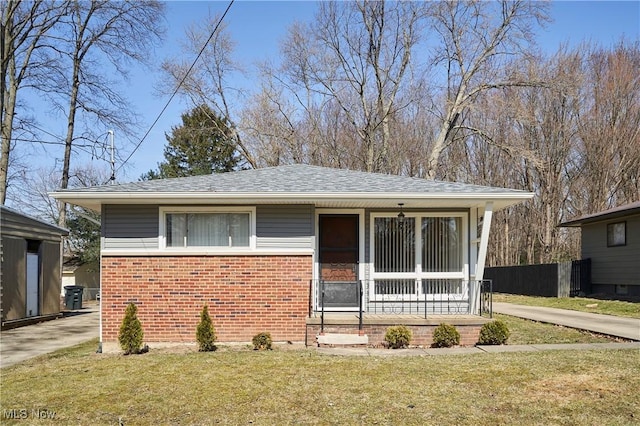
366,308
381,267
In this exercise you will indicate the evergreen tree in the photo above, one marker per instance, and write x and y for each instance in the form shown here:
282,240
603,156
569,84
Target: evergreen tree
131,334
205,332
202,145
84,234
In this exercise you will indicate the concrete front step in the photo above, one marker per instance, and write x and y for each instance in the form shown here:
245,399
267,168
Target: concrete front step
342,339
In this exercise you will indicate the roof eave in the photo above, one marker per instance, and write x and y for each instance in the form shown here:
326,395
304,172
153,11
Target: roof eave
387,199
600,218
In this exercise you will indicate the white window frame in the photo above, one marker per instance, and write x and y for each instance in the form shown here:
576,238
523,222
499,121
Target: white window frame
162,240
612,233
418,274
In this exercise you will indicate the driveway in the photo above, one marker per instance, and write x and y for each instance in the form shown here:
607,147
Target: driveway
26,342
628,328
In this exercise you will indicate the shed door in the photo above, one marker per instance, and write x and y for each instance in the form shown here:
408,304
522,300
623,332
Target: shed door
339,254
33,281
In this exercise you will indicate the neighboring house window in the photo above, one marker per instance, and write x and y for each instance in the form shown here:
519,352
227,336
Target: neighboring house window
616,234
215,229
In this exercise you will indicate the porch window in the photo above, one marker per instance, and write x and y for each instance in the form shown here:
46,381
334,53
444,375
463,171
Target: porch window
225,229
394,245
422,254
441,244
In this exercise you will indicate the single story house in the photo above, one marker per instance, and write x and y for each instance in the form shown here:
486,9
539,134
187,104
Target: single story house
31,257
292,250
611,239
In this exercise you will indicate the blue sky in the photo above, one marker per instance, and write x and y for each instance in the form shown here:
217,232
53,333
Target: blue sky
258,27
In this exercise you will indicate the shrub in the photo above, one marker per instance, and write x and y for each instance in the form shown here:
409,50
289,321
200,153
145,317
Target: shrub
398,336
445,336
262,341
131,334
494,333
205,332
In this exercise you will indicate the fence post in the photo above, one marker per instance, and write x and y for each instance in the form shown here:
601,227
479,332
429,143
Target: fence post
564,279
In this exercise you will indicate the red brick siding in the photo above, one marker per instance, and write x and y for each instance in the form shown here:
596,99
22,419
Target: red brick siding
422,334
245,295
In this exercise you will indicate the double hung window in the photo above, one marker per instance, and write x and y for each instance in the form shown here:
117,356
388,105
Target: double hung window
215,229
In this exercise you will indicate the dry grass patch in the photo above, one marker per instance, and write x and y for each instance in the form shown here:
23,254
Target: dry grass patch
526,332
572,387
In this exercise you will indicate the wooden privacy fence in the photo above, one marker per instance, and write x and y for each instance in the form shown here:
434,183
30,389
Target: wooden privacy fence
565,279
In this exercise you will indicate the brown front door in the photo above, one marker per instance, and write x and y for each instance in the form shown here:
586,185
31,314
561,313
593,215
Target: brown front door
338,256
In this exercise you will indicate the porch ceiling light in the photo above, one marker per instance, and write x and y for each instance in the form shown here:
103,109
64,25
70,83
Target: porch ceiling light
401,214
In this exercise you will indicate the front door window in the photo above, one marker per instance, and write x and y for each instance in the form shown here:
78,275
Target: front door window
338,256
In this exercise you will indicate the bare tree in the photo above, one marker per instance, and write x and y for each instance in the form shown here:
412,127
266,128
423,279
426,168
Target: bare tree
34,199
355,58
609,157
25,26
573,142
207,82
96,33
477,40
38,183
270,130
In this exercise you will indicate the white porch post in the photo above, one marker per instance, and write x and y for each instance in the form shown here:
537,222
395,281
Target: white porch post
482,255
484,240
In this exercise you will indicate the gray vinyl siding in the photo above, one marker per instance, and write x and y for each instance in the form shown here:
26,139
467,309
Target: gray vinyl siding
285,227
130,227
613,265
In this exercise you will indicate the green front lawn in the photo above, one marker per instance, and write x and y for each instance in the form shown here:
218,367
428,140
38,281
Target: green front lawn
234,386
525,332
596,306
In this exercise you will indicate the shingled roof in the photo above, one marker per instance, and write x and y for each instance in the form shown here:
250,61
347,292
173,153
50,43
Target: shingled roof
302,182
614,213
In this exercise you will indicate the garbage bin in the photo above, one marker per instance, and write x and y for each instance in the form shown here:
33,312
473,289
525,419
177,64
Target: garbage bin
73,296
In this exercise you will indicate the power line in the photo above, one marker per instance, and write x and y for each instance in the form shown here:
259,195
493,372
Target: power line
177,87
47,132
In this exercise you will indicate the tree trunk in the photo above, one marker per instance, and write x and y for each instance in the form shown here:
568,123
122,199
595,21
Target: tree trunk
7,125
68,143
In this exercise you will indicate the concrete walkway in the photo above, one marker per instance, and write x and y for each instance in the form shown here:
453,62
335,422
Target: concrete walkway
26,342
475,349
628,328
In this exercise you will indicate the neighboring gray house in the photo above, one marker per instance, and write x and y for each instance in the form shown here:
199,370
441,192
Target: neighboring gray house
611,239
269,249
31,253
